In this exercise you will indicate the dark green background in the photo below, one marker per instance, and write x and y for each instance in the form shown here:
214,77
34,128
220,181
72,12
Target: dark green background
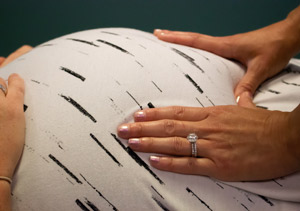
35,21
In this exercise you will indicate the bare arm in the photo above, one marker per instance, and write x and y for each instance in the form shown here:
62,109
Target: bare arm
264,52
234,142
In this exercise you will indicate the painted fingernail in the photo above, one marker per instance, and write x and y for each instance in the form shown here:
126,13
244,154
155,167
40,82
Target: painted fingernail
140,116
123,130
157,31
134,142
237,99
154,159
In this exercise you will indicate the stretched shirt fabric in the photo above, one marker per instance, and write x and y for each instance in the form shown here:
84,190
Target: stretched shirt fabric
81,86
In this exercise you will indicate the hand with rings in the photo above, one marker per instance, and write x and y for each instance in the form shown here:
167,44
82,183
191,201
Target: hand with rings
12,119
234,143
12,133
12,123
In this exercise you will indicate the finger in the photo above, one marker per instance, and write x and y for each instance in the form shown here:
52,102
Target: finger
16,90
172,112
19,52
221,46
158,32
160,128
248,83
3,88
255,75
246,100
2,59
170,145
184,165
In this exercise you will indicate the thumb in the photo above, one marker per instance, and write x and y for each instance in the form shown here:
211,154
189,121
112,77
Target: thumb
251,80
245,100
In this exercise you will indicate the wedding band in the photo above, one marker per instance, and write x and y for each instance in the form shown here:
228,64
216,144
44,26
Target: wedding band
192,138
3,89
7,179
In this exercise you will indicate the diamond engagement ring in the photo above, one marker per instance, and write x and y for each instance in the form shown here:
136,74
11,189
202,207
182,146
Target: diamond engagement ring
192,138
3,89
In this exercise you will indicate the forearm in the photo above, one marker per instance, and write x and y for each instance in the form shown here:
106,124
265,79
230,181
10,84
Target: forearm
294,17
292,30
5,192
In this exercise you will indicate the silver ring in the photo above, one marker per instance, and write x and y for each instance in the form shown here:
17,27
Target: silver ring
3,89
192,138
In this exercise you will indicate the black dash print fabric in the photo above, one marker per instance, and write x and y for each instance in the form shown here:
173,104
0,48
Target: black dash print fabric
81,86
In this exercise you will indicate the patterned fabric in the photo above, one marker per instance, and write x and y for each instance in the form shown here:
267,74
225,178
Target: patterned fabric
81,86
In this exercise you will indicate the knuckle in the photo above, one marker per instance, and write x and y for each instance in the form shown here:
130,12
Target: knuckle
214,113
196,39
170,164
18,81
178,112
152,113
148,143
218,111
169,126
177,144
27,47
246,87
137,129
23,49
15,76
191,163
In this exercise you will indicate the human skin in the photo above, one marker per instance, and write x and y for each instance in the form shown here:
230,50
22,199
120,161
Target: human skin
236,143
19,52
12,127
264,52
12,133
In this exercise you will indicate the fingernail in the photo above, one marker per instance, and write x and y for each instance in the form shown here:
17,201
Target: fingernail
166,35
123,130
154,159
134,141
237,99
139,116
157,31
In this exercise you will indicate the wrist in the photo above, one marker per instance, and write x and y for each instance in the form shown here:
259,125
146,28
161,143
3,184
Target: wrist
292,30
294,17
